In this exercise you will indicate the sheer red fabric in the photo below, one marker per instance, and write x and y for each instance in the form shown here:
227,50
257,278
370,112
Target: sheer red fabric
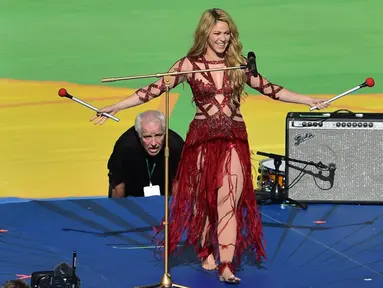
214,203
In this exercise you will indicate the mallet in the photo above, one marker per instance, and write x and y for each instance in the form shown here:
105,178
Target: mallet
63,93
369,82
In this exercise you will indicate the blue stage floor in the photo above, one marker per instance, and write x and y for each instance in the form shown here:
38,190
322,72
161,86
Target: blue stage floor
111,238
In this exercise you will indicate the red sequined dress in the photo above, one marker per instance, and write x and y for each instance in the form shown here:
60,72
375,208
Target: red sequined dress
216,151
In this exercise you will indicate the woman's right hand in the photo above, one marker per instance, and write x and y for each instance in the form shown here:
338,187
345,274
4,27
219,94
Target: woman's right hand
100,119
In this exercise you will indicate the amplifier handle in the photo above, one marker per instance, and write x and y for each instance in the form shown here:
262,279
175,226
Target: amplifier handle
345,110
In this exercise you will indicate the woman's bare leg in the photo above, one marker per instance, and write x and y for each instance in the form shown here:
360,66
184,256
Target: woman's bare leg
208,263
228,197
208,260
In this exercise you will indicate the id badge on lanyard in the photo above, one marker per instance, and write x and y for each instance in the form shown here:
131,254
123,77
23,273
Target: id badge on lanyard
151,190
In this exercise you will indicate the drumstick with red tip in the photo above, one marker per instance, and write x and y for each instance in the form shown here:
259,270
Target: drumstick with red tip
368,83
63,93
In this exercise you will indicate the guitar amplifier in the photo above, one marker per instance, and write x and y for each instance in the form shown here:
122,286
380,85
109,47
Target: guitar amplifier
334,157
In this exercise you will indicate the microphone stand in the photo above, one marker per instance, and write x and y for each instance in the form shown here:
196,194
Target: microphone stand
278,194
166,281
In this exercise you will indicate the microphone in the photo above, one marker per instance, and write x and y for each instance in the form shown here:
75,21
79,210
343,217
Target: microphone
320,165
74,262
63,93
251,63
331,176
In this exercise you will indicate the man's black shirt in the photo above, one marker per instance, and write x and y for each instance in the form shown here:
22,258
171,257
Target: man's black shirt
128,163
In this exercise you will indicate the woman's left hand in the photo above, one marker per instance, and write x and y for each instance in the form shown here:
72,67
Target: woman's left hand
320,103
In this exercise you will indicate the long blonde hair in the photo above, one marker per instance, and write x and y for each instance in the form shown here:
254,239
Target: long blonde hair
233,55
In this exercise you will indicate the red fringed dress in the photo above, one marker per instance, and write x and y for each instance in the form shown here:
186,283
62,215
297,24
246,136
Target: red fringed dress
216,129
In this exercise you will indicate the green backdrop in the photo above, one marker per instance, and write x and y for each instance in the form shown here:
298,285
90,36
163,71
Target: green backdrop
323,47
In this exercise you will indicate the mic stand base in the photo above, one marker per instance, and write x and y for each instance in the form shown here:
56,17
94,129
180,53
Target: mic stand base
166,282
278,194
266,199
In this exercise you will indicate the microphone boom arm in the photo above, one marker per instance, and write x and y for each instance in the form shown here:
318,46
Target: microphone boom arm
159,75
281,157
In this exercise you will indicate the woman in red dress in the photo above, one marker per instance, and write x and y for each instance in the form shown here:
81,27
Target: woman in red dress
213,197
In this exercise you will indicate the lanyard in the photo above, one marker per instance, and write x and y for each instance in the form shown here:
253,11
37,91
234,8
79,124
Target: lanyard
150,173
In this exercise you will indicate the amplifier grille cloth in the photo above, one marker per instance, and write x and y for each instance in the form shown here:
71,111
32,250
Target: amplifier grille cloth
356,153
